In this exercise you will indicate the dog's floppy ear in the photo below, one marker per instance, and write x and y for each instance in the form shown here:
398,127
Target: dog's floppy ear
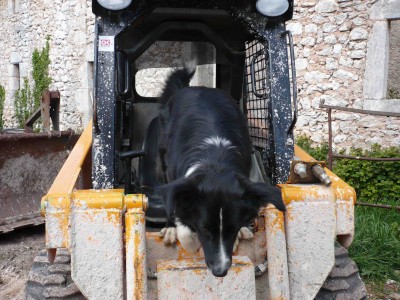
262,193
175,191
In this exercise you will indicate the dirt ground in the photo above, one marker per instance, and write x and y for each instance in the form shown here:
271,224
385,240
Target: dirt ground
17,251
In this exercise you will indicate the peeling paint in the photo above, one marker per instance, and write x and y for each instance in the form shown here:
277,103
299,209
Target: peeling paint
190,279
136,267
97,252
310,224
278,276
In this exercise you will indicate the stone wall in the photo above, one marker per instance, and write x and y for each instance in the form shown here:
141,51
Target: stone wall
25,26
331,37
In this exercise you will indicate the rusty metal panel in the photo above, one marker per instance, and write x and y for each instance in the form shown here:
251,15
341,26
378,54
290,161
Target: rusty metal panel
136,267
345,199
278,275
57,203
29,162
190,279
57,208
97,246
344,221
255,249
310,225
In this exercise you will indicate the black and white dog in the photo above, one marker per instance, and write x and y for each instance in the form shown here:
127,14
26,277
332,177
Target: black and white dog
205,150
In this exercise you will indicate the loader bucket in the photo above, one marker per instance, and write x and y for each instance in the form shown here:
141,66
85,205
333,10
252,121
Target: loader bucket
29,162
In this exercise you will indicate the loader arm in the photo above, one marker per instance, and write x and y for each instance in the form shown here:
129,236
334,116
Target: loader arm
90,223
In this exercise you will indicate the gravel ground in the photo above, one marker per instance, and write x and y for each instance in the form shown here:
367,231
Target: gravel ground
17,251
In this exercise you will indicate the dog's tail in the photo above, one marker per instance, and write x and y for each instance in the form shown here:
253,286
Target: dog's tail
177,80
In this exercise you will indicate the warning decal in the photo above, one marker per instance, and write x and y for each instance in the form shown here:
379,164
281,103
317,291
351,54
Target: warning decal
106,43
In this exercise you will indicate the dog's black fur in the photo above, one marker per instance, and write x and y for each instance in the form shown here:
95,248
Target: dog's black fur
205,150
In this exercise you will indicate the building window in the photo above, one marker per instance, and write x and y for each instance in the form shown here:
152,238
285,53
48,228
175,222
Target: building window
393,90
16,78
381,81
90,75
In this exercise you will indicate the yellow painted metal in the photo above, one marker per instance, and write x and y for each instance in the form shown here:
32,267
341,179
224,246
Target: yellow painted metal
66,178
101,199
136,201
112,198
136,267
55,206
345,197
310,229
300,192
97,247
341,187
278,276
58,210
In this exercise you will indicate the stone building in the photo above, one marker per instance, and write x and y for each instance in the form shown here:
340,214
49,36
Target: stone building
345,50
347,54
25,24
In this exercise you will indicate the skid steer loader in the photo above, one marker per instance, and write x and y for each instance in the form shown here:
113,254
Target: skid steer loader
103,243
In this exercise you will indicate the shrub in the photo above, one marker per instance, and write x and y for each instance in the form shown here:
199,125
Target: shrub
27,98
319,152
24,103
40,72
393,94
373,181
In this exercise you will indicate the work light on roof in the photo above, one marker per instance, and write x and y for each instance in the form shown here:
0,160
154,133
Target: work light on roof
272,8
115,4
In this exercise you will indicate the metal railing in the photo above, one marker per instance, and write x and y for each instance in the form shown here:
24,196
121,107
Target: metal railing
332,155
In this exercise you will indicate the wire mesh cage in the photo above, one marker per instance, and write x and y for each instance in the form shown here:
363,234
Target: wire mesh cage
256,92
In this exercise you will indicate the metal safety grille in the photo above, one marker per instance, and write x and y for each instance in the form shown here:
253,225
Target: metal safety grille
256,92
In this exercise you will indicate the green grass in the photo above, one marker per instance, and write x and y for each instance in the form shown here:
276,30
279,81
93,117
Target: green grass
376,245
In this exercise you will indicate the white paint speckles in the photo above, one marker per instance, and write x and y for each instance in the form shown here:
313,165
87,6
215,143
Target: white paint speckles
54,227
97,237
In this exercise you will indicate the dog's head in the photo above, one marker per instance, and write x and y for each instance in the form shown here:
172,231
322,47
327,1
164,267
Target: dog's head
216,207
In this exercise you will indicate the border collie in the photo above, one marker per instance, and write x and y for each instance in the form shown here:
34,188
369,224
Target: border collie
205,152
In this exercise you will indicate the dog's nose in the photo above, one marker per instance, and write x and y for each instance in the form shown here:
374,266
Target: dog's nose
220,270
219,273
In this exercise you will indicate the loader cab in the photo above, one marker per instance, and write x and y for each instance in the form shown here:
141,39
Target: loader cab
241,47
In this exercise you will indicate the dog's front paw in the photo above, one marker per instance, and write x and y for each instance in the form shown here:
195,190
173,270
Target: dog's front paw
244,234
169,235
188,239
